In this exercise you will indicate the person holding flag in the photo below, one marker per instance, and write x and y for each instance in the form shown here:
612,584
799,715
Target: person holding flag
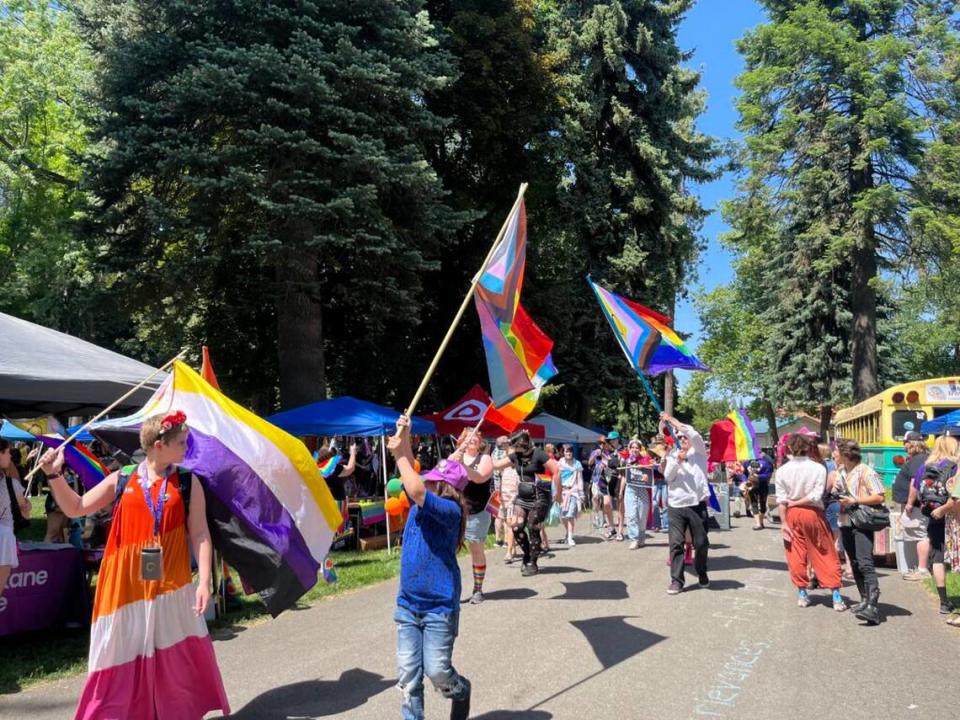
685,470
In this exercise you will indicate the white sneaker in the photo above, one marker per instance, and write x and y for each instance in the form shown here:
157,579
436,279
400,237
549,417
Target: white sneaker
635,544
571,542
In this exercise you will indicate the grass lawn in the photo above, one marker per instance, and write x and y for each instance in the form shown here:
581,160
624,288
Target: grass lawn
39,657
953,587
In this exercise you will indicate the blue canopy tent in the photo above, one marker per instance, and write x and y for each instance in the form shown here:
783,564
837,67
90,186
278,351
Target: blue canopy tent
345,416
9,431
936,426
350,417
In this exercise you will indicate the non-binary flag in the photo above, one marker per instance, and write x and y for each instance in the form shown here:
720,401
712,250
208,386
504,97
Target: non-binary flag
271,514
650,344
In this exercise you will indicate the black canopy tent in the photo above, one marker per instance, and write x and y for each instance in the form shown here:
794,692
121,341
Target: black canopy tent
43,371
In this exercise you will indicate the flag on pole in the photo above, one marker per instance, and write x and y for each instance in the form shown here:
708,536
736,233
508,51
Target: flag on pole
270,512
51,433
206,369
533,347
645,336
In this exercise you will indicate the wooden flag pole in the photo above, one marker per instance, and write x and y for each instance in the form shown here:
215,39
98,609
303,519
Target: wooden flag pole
114,404
463,306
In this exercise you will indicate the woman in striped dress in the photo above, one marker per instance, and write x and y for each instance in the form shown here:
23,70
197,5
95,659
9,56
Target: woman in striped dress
150,655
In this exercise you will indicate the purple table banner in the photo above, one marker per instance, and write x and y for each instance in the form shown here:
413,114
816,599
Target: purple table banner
47,589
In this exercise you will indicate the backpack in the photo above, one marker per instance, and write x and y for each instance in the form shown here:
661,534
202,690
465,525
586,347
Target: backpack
19,521
933,492
184,476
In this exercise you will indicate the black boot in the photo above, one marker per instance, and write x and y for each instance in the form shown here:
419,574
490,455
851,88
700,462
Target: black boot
870,613
460,709
529,569
863,599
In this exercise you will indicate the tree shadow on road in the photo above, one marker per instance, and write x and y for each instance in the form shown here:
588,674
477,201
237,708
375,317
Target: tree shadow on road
561,569
735,562
510,594
594,590
315,698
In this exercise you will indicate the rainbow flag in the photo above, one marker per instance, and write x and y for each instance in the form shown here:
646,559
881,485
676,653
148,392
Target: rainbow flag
744,436
645,336
270,513
327,467
49,432
533,348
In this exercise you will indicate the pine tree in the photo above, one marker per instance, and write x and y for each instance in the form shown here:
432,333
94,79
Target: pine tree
263,173
831,127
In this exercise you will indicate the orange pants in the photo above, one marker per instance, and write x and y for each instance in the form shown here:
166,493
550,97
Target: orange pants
812,543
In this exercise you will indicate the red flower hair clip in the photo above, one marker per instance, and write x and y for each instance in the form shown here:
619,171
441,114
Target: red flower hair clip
173,420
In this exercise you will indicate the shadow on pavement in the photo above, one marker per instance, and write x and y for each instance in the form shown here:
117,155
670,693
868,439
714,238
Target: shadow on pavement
514,715
594,590
561,569
588,540
613,640
510,594
724,585
315,698
735,562
888,610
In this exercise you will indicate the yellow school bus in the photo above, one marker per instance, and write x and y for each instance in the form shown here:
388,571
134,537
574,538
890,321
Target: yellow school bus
879,423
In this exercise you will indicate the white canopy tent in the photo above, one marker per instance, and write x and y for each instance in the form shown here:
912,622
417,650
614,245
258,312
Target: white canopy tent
45,371
558,430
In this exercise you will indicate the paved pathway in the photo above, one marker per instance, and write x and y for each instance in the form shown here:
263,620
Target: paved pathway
596,635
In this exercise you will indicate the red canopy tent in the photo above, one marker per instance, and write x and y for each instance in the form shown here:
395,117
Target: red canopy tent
466,412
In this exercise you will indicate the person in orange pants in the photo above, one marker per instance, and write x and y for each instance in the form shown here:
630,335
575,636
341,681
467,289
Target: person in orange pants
807,538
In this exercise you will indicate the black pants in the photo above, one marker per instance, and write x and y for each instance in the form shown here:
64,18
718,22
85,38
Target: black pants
533,516
937,535
681,519
858,544
758,498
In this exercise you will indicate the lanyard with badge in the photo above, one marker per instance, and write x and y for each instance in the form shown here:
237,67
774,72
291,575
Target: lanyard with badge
151,556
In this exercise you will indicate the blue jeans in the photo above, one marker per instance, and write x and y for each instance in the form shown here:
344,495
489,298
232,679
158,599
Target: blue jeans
636,502
425,648
660,517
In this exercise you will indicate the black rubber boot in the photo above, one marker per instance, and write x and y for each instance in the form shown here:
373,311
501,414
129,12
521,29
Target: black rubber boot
870,614
529,569
460,709
863,599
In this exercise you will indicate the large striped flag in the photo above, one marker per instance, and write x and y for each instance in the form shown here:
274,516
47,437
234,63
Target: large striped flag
270,512
497,299
645,336
533,347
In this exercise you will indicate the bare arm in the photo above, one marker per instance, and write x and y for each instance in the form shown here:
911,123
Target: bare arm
483,470
71,504
399,447
202,545
351,463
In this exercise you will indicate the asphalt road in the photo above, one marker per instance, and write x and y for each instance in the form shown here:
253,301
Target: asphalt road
596,636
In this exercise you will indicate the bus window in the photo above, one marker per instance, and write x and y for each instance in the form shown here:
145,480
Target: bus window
906,420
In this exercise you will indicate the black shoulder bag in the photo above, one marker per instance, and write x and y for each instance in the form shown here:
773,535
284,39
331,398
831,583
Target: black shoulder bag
869,518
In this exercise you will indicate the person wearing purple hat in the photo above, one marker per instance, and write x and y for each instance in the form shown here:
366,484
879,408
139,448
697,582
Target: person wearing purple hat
428,600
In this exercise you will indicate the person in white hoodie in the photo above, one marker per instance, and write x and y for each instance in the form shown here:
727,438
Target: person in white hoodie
685,470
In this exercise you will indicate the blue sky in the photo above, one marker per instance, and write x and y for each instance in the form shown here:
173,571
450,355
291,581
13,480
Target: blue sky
710,30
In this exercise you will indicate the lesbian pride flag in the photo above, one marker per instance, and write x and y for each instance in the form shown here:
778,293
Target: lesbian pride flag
271,514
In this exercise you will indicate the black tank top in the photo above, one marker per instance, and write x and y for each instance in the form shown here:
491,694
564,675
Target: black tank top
477,495
536,465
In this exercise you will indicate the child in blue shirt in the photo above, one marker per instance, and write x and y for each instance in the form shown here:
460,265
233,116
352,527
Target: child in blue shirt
427,613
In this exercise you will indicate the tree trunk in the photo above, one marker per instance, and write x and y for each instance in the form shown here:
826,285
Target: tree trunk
299,320
826,417
863,305
772,422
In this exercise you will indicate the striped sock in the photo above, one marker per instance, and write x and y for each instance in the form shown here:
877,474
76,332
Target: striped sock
479,572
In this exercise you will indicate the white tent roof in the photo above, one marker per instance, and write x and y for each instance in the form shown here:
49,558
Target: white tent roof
45,371
559,430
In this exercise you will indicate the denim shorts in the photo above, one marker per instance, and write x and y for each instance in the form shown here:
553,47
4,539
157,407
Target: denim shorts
478,527
832,511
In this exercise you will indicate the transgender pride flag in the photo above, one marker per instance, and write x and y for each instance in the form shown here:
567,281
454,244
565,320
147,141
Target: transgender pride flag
270,512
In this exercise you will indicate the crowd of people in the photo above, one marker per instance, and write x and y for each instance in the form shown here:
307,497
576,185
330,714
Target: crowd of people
829,502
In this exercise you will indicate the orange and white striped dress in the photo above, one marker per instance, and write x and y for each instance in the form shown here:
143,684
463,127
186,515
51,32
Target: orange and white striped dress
150,655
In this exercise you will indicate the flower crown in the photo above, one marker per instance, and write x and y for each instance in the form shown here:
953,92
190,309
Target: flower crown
172,422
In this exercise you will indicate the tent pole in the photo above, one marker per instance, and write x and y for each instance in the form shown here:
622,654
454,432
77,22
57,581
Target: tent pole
383,455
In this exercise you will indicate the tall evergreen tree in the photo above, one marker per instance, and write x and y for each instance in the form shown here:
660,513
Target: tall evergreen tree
263,173
831,127
626,139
